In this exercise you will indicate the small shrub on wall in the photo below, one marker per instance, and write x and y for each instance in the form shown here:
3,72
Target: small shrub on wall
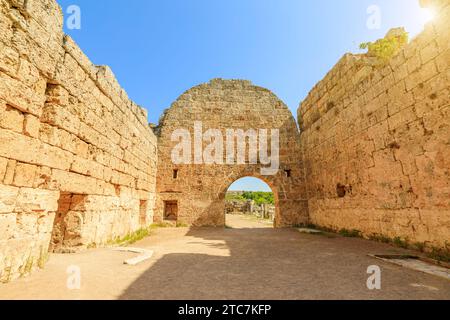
384,49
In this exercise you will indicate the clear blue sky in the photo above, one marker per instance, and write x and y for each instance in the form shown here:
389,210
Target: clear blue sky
250,184
159,49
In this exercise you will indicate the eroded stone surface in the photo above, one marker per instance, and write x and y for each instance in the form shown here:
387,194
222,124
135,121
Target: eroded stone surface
68,135
376,141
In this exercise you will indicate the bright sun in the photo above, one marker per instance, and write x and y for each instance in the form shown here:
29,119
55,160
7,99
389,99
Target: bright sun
426,15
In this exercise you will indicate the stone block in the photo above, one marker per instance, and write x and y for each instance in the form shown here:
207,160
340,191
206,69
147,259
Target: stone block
74,183
24,175
3,165
8,198
6,23
9,60
11,119
44,59
29,75
429,52
403,117
59,116
43,179
20,96
7,225
413,63
443,61
47,13
31,126
71,75
29,150
74,50
87,167
38,201
57,95
49,134
9,174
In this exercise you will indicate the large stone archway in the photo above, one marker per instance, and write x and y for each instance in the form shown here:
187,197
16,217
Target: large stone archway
198,190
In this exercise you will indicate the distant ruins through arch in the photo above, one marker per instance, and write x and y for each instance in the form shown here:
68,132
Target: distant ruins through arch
252,197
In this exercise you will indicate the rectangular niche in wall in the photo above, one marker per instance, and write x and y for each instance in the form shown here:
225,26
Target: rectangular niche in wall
66,233
171,210
59,226
143,213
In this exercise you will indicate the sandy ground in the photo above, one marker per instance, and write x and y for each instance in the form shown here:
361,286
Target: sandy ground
251,260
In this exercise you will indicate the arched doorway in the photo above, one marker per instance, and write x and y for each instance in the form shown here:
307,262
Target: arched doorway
250,203
192,191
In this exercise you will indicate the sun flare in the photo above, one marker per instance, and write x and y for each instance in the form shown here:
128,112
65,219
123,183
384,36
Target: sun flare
427,15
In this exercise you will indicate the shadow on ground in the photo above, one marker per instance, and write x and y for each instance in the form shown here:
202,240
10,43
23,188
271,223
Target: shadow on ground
263,263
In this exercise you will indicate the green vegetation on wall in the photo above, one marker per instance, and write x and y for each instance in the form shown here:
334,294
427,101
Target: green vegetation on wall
384,49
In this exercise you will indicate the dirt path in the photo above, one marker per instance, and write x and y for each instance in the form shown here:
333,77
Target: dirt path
249,261
235,221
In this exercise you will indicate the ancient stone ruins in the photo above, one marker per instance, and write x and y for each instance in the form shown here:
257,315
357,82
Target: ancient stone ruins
242,206
80,166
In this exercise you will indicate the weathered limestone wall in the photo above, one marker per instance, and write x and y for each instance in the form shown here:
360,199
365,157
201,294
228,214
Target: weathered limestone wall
200,188
72,145
376,141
